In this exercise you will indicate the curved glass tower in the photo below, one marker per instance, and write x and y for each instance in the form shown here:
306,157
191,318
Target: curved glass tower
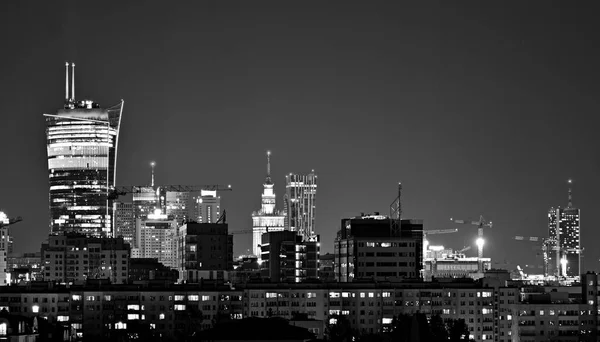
82,144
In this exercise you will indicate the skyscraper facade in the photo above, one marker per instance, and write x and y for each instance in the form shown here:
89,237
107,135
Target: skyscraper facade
124,223
564,231
300,204
82,141
267,218
207,207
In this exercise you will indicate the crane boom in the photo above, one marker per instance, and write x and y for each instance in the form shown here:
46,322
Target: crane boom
440,231
136,189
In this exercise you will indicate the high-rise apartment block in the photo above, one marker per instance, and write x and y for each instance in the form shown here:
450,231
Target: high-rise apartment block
157,239
205,251
287,258
206,206
267,218
124,223
76,258
82,141
300,204
366,248
564,231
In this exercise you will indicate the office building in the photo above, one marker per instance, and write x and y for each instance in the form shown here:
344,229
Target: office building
145,201
206,206
4,242
157,239
125,222
326,268
564,228
287,258
365,248
300,204
267,218
176,206
77,258
205,251
82,141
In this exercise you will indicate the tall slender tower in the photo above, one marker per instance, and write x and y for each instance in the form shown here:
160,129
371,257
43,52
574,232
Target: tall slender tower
267,218
82,141
300,204
564,228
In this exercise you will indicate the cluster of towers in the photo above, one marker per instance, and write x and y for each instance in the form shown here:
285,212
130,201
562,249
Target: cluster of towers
298,214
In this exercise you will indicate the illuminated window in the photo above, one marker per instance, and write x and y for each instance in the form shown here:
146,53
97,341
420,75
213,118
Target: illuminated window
541,312
332,321
387,320
107,298
76,298
161,316
133,307
345,294
486,311
362,295
35,309
371,294
447,311
193,298
205,298
178,297
334,312
179,307
120,325
271,295
152,326
133,316
334,294
387,294
311,295
486,294
90,298
62,318
3,329
509,317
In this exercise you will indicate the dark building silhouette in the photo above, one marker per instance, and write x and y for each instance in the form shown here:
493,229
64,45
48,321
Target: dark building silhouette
205,251
366,248
149,269
326,267
287,258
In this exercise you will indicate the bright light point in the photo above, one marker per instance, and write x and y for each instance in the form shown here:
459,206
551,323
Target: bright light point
268,153
152,163
229,186
570,181
480,242
564,261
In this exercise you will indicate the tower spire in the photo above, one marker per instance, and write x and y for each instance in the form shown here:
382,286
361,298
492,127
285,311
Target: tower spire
73,81
570,181
269,167
152,164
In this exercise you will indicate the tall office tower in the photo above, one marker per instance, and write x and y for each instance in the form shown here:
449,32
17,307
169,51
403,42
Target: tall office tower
125,222
207,207
267,218
564,228
4,245
82,141
300,204
176,204
145,201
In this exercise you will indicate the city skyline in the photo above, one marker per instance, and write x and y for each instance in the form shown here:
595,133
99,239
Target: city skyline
468,116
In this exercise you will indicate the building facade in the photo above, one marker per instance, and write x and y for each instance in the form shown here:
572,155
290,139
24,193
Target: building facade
157,239
287,258
565,232
77,258
366,248
124,224
205,251
300,204
82,141
206,206
267,218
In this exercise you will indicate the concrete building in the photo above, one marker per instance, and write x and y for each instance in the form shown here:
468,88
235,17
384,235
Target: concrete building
157,239
124,224
151,270
207,207
267,218
177,206
205,251
365,248
327,268
4,245
25,267
82,141
300,204
286,258
77,258
564,227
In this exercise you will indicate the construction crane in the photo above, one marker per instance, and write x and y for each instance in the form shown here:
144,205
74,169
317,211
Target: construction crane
482,223
547,245
136,189
464,249
396,213
433,232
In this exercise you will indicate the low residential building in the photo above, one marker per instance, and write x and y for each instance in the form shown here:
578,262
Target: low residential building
205,251
25,267
287,258
151,270
76,258
245,268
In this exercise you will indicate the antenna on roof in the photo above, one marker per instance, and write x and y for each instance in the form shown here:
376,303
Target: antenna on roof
152,164
73,82
570,181
66,81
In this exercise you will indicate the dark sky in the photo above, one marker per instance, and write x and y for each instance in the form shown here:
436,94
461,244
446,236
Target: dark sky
476,109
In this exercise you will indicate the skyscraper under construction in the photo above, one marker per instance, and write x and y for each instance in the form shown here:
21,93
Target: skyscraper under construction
82,141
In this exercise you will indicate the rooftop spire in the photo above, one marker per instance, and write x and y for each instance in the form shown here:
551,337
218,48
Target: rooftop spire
268,181
66,81
73,81
152,164
570,181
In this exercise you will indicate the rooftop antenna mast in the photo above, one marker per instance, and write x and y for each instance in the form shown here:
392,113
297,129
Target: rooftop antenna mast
269,167
73,81
66,81
570,181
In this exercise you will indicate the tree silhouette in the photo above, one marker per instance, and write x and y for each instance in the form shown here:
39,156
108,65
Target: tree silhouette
341,330
458,330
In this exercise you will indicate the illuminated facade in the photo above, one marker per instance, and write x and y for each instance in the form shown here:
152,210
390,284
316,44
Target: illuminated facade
207,207
4,245
176,205
82,141
157,239
564,230
300,204
267,218
125,222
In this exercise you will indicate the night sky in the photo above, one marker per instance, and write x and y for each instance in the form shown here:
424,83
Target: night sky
476,109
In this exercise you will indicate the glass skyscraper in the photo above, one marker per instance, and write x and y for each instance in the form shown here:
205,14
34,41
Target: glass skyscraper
300,204
82,141
564,230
